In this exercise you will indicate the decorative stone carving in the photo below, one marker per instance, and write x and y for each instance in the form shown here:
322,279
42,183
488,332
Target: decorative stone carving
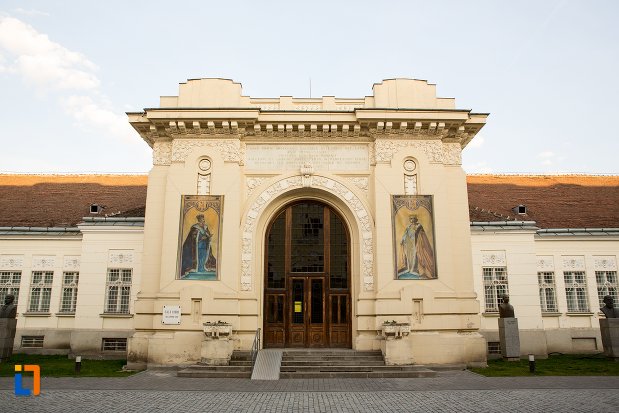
545,263
217,330
574,263
204,184
306,174
493,259
252,183
120,258
410,184
329,185
71,262
435,150
228,148
11,262
395,331
360,182
43,262
162,153
608,263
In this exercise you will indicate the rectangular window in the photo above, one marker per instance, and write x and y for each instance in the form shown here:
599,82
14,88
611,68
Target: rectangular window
32,341
495,286
9,284
547,291
494,347
69,292
118,290
114,344
40,291
576,291
607,285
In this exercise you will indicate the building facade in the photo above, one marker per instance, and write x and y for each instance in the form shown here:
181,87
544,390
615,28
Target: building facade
313,221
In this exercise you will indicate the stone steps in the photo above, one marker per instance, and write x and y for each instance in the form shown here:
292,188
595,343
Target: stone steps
239,367
331,362
344,363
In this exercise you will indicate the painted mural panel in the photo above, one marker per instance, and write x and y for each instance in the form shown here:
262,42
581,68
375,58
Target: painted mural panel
413,237
200,237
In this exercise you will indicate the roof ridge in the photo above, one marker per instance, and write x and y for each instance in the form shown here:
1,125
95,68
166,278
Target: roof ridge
524,174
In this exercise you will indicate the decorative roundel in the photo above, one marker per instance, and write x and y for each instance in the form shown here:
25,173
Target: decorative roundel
204,164
409,165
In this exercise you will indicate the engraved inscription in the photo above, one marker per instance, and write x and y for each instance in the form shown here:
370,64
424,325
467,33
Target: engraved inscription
325,157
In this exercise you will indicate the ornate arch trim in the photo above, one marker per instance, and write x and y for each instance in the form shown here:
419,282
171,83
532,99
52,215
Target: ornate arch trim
360,212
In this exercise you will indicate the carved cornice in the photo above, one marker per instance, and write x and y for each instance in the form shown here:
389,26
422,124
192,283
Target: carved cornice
436,151
295,128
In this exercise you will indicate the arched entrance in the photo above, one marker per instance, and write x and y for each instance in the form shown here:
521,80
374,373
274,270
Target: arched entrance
307,278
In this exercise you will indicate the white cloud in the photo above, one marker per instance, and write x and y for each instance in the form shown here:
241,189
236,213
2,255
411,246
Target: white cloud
90,113
42,62
31,12
50,66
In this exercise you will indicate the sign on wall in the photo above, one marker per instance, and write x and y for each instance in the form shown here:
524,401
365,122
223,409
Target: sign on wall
200,237
413,237
171,314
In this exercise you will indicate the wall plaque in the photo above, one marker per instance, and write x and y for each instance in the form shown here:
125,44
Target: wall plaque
322,157
171,314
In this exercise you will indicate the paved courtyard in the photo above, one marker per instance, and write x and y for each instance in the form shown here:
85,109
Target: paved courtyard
460,391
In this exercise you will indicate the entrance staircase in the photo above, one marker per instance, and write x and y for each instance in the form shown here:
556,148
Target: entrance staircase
238,367
343,363
314,363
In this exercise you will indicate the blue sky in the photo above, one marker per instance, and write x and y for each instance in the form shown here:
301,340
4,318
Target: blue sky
546,71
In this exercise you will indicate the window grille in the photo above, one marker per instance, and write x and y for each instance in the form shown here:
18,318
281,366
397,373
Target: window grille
607,285
576,291
114,344
9,284
32,341
118,290
40,291
547,291
495,286
69,292
494,347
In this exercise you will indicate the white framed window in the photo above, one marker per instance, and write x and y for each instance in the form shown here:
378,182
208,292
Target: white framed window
607,285
118,290
547,291
68,299
576,291
40,291
495,286
9,284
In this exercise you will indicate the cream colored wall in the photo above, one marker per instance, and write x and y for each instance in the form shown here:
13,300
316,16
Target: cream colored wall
543,333
27,247
444,311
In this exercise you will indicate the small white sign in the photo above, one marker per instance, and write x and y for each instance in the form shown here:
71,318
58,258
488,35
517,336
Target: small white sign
171,314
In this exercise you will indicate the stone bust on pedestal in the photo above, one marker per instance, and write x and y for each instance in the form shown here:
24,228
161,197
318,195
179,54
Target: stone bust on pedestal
506,310
8,324
8,310
609,309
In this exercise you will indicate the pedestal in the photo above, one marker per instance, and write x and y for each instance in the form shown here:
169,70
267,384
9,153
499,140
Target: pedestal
510,339
7,337
609,327
216,352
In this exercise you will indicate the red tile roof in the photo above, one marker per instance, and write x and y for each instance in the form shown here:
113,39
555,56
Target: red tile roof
553,201
62,200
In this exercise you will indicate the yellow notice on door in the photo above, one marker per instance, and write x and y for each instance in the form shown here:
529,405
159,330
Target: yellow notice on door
297,307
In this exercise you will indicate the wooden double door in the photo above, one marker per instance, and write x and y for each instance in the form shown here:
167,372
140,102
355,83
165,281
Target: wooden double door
307,278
